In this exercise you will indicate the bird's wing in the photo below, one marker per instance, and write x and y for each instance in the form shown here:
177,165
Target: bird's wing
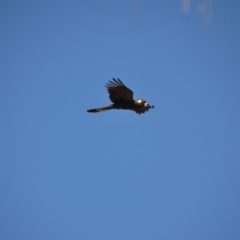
139,110
118,91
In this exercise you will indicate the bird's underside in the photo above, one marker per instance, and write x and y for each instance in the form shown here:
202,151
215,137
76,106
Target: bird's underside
122,98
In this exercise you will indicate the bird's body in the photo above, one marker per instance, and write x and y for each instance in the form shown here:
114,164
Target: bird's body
122,98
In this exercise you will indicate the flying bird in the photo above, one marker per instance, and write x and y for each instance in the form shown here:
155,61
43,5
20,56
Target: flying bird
122,98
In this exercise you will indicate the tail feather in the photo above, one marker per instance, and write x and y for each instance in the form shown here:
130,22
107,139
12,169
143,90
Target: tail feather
95,110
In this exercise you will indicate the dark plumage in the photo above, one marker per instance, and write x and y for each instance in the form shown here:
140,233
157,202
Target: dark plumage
122,98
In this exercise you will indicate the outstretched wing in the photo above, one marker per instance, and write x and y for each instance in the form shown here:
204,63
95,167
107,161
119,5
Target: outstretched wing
118,91
140,110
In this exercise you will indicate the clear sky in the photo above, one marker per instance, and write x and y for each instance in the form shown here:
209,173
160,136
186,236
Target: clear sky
171,173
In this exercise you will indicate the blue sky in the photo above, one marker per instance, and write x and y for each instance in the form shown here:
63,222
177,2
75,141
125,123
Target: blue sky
171,173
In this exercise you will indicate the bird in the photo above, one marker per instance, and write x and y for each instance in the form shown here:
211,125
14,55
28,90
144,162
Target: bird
122,98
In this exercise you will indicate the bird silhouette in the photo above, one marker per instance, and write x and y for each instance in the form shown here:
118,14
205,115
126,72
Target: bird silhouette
122,98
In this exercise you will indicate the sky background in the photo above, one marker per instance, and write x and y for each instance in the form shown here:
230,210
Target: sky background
171,173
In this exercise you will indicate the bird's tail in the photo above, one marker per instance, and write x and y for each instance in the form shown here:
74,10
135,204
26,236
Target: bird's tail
96,110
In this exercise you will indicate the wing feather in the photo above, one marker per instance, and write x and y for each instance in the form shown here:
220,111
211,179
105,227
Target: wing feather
118,92
140,110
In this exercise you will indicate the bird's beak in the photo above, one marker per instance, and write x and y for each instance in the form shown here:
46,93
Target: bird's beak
149,106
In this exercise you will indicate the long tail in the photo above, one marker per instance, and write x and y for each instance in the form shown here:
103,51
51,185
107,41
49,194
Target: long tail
95,110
